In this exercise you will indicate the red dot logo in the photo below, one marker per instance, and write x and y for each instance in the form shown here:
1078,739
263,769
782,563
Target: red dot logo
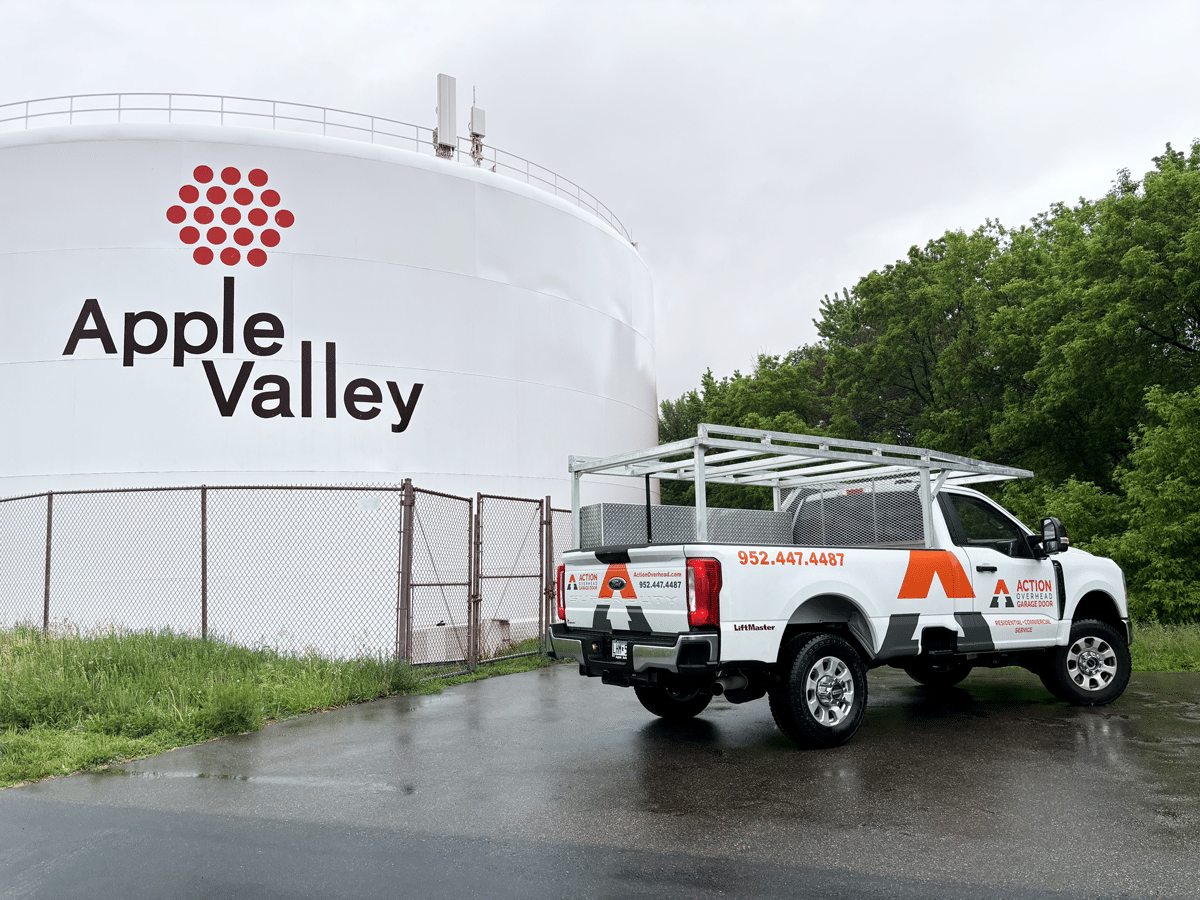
247,227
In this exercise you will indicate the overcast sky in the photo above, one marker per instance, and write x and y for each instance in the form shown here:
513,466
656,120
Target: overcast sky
763,154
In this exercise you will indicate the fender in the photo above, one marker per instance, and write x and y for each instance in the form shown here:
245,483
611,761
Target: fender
1085,574
825,608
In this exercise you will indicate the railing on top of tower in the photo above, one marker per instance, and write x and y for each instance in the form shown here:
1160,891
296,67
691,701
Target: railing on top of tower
302,118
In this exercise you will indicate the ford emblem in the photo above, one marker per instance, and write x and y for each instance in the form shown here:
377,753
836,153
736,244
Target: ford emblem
617,584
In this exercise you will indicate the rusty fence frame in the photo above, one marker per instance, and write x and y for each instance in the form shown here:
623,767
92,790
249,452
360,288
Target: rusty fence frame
410,534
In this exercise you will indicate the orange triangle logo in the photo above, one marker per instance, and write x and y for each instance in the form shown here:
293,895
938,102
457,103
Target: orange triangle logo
923,565
617,580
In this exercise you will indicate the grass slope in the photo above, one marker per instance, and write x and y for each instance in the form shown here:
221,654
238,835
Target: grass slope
76,702
1166,648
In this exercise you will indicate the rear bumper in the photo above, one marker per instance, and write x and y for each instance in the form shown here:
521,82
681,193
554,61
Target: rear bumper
696,653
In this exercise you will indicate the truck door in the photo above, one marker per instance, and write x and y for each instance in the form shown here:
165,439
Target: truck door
1015,594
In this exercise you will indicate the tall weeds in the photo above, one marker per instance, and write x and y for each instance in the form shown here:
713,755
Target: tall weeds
70,701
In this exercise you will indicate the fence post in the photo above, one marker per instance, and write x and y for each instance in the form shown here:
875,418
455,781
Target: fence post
49,531
404,597
204,562
476,599
548,574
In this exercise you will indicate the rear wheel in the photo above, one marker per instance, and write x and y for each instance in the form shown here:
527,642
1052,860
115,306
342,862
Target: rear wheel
673,703
1093,669
821,697
938,674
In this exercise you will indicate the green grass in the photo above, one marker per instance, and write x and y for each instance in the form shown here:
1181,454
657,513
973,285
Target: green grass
1166,648
71,702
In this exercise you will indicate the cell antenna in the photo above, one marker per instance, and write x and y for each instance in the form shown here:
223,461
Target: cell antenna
445,136
478,130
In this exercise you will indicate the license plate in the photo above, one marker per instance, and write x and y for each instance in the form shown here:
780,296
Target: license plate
620,650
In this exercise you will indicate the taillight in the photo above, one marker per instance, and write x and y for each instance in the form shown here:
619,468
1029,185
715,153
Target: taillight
561,594
703,592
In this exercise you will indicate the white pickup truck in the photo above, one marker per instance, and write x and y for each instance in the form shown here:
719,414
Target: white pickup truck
873,555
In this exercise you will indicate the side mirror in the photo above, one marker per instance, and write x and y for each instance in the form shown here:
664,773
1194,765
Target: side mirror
1054,536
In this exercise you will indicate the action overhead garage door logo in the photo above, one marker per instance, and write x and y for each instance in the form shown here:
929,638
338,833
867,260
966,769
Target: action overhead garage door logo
227,219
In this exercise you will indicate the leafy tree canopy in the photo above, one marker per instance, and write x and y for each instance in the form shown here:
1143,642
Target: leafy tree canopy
1070,346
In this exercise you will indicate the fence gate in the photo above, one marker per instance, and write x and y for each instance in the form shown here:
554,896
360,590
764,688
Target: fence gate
433,612
510,576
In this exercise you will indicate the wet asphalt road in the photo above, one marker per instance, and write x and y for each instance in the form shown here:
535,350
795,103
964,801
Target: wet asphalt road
550,785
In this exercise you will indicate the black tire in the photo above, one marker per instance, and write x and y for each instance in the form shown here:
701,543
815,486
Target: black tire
821,696
935,674
779,693
1093,669
675,704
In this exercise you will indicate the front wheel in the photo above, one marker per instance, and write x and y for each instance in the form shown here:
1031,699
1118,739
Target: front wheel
821,697
1093,669
672,703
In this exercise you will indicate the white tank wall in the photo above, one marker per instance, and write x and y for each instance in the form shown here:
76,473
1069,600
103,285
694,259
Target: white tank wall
528,321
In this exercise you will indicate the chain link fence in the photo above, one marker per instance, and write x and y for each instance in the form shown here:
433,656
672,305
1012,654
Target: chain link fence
511,576
560,520
24,558
440,581
437,620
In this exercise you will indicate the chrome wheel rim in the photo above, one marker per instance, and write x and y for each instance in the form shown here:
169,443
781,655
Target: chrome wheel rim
1091,663
829,691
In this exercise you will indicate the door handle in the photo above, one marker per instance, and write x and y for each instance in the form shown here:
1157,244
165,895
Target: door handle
985,568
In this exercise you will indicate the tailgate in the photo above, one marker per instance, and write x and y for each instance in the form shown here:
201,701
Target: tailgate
640,589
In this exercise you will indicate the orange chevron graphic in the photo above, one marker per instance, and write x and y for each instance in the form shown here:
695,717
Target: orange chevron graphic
923,565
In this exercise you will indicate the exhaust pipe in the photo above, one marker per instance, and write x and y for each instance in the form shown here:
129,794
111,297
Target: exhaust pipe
729,683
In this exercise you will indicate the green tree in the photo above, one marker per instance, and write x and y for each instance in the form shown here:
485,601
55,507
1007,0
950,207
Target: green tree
907,363
678,419
1161,550
1120,313
782,394
1070,346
